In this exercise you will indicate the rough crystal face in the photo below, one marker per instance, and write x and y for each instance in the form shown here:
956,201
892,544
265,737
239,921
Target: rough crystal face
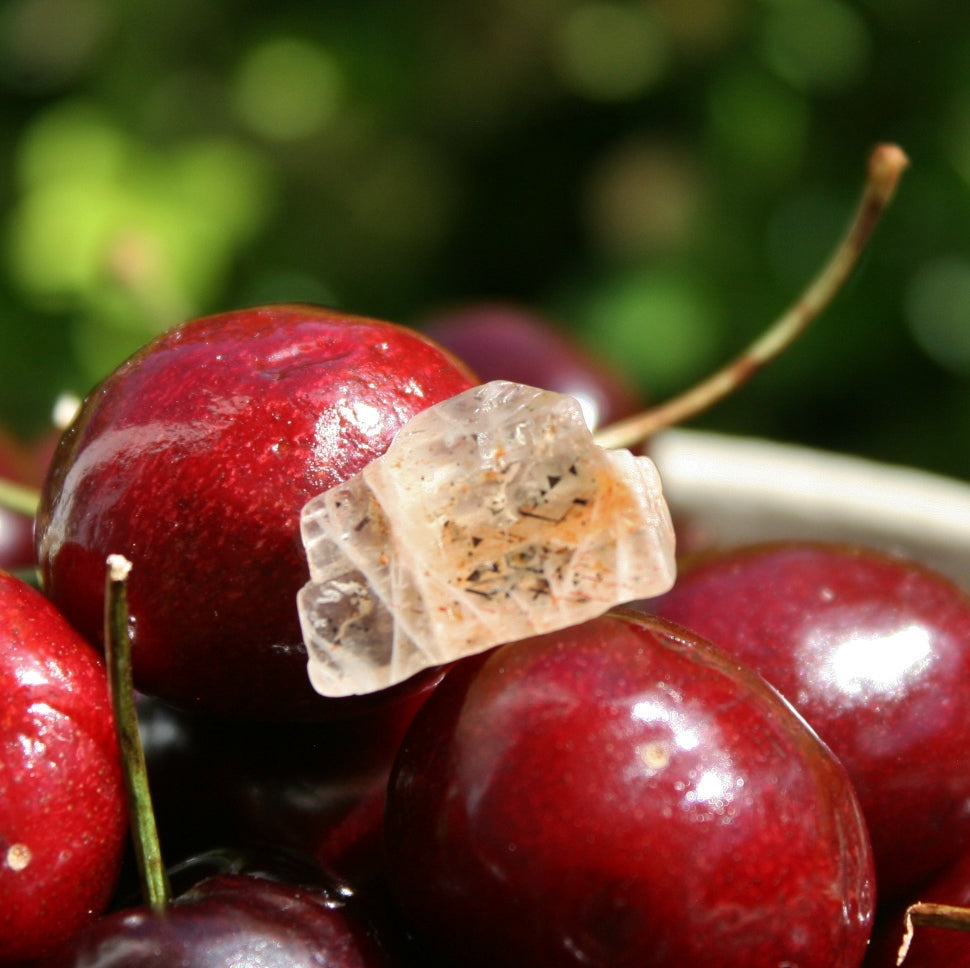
493,516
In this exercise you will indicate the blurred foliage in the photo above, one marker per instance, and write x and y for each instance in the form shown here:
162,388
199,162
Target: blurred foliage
660,176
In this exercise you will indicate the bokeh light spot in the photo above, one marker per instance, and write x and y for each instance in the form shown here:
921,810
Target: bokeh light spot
287,88
938,311
611,51
701,26
658,324
126,236
642,198
47,43
816,44
758,121
72,140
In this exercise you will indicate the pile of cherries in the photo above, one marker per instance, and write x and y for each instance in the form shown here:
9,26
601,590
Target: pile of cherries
732,774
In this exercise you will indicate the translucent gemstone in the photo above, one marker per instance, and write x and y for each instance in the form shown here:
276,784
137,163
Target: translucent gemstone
493,516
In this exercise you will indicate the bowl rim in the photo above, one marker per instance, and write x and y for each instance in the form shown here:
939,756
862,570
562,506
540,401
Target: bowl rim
742,489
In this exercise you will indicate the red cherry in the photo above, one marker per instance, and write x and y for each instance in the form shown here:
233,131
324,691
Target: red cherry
194,459
228,921
315,788
621,794
62,813
874,652
503,341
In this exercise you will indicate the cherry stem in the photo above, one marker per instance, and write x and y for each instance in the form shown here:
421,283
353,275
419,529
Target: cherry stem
886,164
16,497
148,854
929,915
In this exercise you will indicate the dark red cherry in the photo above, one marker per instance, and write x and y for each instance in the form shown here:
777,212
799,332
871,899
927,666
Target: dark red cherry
194,459
316,788
503,341
62,809
232,921
874,651
622,793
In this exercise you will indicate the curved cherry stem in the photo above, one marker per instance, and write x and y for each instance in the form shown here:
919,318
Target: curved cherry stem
148,854
927,914
886,164
16,497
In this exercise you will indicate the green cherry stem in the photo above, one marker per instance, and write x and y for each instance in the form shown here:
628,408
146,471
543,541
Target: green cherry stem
886,164
148,854
16,497
929,915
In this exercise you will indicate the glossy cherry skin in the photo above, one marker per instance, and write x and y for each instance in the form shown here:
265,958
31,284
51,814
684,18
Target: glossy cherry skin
194,459
315,788
504,341
874,651
623,794
231,921
63,820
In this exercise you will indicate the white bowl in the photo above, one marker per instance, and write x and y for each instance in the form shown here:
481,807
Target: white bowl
737,489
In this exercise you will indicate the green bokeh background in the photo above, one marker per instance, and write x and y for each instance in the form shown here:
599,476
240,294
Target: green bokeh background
660,176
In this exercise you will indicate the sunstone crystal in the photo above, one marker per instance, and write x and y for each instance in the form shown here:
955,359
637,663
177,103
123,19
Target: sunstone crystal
493,516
